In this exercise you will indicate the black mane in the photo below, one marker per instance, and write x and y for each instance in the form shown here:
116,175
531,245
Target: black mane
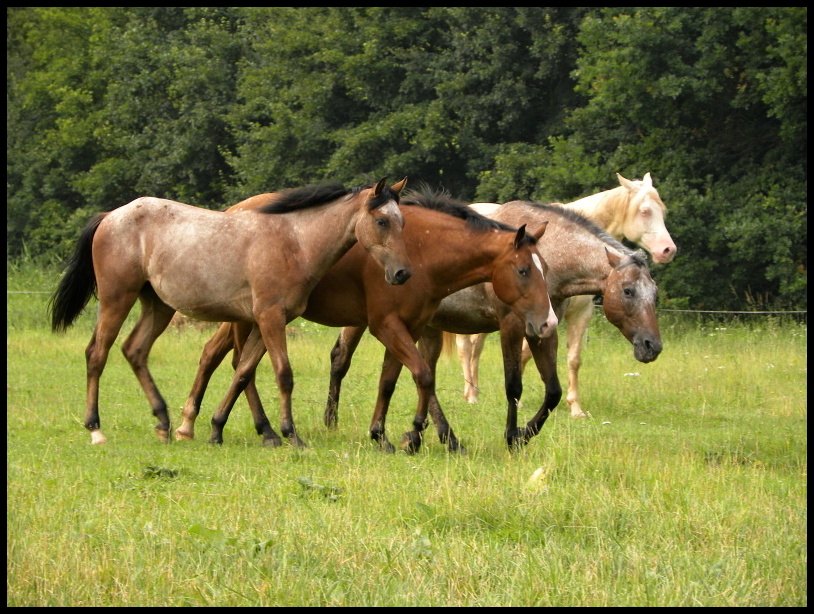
441,200
297,199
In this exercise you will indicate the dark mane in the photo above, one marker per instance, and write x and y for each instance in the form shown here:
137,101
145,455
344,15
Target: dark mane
638,256
297,199
441,200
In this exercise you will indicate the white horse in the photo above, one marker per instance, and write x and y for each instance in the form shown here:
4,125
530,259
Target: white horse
634,211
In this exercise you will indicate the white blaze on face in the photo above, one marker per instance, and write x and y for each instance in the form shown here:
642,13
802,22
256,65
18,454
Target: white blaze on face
552,320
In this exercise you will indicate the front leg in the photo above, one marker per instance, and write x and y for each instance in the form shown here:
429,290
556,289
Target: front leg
430,345
250,356
271,323
511,344
544,352
391,368
341,356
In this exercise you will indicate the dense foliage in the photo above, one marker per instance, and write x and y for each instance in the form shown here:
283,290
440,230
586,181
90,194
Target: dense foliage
210,105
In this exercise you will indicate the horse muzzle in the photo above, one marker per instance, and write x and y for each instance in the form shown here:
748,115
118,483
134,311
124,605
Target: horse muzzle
543,330
646,348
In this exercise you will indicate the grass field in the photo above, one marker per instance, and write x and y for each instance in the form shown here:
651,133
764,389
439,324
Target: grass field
688,486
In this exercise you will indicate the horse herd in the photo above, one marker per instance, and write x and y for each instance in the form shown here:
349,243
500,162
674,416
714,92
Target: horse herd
318,252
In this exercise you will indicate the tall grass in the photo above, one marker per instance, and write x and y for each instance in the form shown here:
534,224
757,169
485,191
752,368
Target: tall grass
688,486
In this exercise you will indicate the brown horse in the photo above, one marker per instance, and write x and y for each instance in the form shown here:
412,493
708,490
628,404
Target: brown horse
256,267
450,247
582,259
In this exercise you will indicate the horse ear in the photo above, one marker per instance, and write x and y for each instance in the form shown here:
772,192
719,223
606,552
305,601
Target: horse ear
398,187
537,234
521,232
624,182
647,181
613,259
380,186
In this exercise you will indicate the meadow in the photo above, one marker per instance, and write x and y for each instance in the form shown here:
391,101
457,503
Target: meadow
686,487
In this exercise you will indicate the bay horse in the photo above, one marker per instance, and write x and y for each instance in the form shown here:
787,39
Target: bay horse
255,266
633,210
450,247
581,259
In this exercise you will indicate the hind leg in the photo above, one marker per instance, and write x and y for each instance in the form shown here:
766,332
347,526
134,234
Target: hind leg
112,313
154,318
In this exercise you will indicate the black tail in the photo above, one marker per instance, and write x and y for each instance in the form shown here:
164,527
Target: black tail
78,283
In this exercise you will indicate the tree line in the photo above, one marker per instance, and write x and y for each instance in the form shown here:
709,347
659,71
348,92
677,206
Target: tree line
210,105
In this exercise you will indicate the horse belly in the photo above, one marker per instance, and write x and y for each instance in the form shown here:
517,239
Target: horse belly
466,312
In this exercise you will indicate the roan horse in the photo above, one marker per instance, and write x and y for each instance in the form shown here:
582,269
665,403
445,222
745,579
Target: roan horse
256,267
450,247
635,211
581,259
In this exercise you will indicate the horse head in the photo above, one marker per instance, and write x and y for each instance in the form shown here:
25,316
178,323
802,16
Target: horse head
644,219
518,279
629,303
380,230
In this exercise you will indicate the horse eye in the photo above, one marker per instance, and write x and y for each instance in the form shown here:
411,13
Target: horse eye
382,222
524,272
629,293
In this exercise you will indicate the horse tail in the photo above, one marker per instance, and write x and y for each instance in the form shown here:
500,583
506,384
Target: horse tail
78,283
449,345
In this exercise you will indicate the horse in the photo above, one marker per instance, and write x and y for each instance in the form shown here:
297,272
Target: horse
256,267
581,258
450,247
633,210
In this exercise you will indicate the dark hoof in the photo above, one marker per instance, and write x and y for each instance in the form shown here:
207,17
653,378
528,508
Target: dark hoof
297,442
411,442
272,442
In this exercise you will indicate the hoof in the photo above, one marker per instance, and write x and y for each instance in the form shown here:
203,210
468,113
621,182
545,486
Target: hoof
181,436
387,447
456,448
96,437
163,435
273,442
297,442
411,442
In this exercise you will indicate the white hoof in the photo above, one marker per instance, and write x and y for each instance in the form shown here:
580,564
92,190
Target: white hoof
97,437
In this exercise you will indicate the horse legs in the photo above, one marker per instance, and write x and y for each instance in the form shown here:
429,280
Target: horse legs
112,313
391,367
213,354
470,348
544,352
253,351
228,337
341,355
271,323
511,341
578,315
431,345
401,348
154,318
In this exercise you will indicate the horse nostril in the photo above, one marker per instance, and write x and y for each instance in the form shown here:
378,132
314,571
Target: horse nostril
402,276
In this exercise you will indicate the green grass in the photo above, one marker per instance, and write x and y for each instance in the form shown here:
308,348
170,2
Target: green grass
687,487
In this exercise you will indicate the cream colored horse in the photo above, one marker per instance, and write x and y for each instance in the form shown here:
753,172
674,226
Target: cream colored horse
634,211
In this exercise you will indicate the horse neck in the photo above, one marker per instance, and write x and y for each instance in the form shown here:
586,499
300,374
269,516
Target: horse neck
453,256
323,234
605,209
577,260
